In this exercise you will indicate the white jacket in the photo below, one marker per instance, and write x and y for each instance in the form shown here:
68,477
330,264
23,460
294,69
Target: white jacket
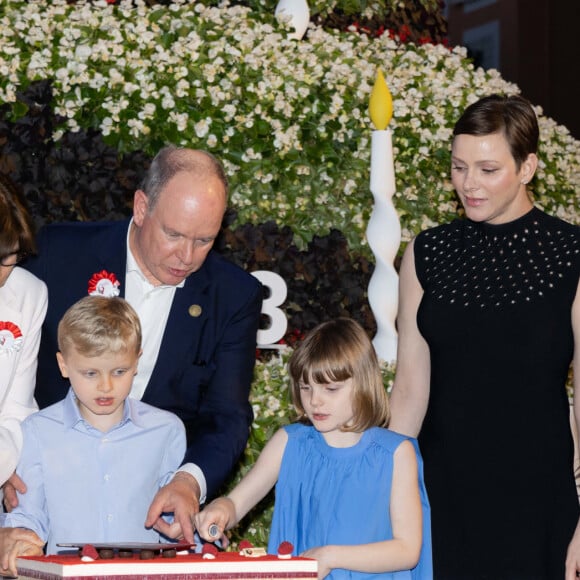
23,303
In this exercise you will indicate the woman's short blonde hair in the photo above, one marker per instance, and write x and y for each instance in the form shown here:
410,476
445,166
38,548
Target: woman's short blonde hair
335,351
95,325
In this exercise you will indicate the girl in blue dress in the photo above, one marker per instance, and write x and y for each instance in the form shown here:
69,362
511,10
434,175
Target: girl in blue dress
349,492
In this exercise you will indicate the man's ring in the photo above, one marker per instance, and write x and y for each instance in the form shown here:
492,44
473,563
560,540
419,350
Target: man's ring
214,531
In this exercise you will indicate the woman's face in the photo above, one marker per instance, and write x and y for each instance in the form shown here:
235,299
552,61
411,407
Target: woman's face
7,263
486,179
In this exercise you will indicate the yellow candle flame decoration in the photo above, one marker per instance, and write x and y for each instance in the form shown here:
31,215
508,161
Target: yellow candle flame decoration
381,103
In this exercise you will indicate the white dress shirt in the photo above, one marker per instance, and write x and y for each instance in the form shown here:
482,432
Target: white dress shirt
152,304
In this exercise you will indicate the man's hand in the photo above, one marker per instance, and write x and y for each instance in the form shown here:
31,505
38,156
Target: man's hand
573,556
13,484
180,496
15,542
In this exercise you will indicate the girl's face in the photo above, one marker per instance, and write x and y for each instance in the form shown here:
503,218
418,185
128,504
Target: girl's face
485,177
329,408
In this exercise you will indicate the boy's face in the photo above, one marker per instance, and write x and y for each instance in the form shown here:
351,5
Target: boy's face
101,383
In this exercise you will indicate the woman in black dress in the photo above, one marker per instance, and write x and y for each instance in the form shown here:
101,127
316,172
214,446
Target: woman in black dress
489,323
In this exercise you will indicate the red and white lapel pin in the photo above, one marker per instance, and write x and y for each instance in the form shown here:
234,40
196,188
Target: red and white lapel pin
10,337
104,284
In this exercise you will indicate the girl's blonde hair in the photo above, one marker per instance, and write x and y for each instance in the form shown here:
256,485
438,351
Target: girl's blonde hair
95,325
335,351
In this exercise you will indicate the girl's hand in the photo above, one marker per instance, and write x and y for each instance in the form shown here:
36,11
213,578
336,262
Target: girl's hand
214,519
324,556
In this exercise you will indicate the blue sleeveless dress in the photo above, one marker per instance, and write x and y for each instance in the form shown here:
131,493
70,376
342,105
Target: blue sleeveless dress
328,495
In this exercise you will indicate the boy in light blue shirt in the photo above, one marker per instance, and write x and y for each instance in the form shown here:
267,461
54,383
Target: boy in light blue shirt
95,460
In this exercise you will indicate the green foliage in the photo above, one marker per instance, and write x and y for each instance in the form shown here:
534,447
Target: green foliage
288,118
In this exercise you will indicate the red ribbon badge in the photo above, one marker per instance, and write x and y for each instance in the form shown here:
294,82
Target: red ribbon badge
104,284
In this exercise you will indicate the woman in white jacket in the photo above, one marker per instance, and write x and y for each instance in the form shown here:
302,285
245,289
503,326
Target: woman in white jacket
23,303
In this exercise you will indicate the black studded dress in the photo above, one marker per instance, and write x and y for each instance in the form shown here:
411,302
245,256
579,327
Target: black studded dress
496,440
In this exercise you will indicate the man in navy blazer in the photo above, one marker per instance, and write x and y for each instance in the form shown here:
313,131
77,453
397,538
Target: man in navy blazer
206,347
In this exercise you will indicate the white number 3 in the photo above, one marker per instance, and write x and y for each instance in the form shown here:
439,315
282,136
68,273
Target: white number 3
277,294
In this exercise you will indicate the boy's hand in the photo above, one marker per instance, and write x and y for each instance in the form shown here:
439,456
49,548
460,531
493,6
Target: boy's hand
15,542
180,497
13,484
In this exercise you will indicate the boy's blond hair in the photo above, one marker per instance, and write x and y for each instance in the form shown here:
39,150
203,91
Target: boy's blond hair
95,325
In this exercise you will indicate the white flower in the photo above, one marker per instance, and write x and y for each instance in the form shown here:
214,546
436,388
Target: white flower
180,120
136,127
273,404
106,126
147,112
83,52
202,127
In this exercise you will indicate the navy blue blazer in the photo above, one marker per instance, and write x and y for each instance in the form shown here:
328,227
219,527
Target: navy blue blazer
205,365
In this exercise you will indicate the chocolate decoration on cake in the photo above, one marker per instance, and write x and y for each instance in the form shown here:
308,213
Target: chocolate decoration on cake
170,553
106,553
146,555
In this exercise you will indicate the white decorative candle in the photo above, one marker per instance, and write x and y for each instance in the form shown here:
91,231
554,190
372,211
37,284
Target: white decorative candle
299,14
384,228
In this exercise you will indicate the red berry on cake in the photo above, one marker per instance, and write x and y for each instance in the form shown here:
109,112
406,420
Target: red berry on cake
285,550
89,553
209,551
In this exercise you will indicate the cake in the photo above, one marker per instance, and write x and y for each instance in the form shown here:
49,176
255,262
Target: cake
164,564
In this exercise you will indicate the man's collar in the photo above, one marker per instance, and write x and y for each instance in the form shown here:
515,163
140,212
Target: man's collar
72,415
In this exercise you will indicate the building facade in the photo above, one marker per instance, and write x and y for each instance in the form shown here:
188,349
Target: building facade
533,43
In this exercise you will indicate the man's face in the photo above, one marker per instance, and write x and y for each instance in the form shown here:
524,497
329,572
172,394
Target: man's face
173,239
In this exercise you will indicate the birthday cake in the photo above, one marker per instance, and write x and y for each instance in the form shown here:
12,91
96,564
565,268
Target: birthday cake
167,565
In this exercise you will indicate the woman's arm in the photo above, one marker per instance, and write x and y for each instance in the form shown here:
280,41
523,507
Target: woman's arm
573,557
226,512
410,393
400,553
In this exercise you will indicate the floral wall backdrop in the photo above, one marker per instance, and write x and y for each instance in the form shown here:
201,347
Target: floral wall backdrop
89,91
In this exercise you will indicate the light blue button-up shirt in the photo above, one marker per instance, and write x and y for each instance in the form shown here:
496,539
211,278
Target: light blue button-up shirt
87,486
